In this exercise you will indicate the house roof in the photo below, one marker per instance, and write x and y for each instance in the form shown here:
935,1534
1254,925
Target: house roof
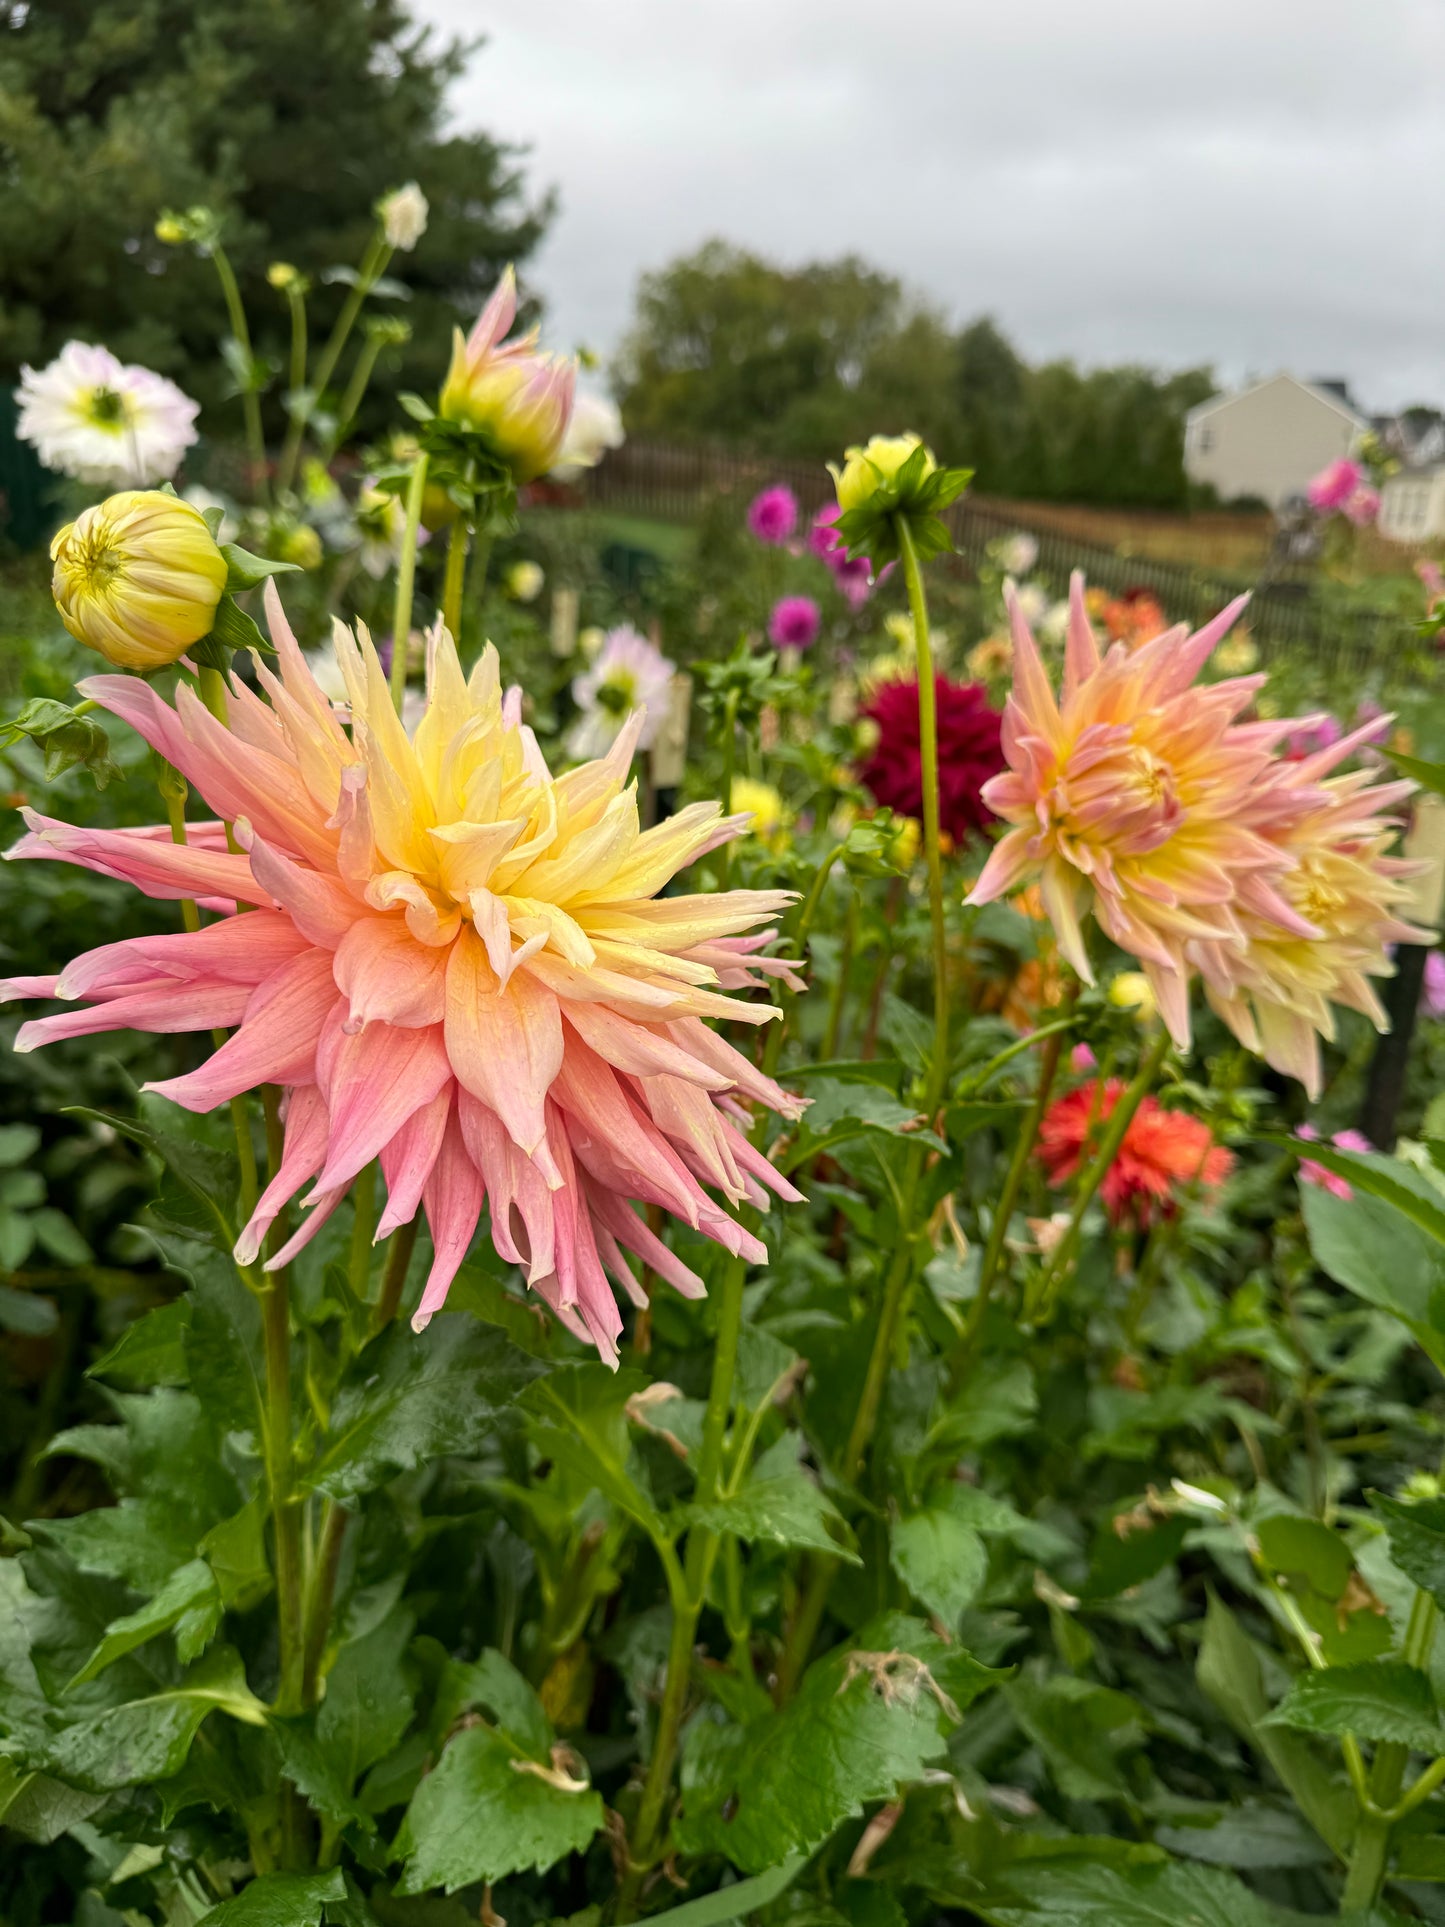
1320,395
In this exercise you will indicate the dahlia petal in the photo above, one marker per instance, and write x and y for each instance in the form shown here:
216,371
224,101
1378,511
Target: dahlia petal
611,1210
276,1043
1059,889
302,1154
632,1047
1081,646
163,870
454,1196
321,907
388,977
407,1160
317,1213
505,1043
14,988
374,1080
172,1007
241,951
741,1074
1031,689
523,1228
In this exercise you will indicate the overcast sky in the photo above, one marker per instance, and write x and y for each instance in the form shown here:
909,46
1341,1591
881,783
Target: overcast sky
1252,183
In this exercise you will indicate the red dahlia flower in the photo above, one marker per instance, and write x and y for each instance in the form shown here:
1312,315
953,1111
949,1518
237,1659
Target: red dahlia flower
969,753
1162,1150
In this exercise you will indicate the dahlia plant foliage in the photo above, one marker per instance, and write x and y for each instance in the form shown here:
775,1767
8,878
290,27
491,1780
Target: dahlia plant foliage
747,1265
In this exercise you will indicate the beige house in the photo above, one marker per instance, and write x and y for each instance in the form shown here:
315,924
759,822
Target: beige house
1268,440
1412,505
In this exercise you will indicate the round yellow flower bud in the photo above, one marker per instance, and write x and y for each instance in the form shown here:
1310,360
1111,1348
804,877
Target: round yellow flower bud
281,274
138,578
1132,990
302,545
867,469
171,230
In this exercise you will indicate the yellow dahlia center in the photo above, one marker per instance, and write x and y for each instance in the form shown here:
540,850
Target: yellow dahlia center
1317,896
93,560
618,694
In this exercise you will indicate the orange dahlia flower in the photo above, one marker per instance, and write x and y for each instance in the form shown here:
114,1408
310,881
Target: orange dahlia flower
1162,1151
457,963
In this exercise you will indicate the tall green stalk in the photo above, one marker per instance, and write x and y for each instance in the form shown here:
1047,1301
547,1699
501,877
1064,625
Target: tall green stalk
406,579
1369,1856
899,1276
250,400
373,266
454,580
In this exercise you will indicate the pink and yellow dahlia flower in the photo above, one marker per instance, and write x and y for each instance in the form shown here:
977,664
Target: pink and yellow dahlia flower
516,398
1128,799
455,963
1274,987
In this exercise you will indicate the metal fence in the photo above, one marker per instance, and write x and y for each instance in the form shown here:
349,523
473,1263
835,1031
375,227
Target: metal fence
672,483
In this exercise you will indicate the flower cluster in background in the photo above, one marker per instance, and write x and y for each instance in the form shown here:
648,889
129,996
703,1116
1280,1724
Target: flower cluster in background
99,420
1162,1152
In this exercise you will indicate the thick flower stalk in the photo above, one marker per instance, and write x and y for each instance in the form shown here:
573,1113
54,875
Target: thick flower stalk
457,964
1129,799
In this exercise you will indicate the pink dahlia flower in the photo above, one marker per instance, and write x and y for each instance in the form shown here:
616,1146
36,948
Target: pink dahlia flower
773,515
457,963
852,576
1363,507
1333,486
794,622
968,753
1432,991
1311,1171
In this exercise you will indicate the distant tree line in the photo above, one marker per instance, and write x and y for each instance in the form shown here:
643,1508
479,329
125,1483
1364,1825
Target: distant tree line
729,348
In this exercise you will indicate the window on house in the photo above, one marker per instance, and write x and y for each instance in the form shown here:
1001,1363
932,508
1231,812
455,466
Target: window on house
1206,440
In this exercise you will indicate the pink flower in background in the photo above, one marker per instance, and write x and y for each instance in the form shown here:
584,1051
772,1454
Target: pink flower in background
1082,1059
1333,486
851,576
456,962
773,515
1434,581
1312,1172
1432,995
1362,507
794,622
1314,732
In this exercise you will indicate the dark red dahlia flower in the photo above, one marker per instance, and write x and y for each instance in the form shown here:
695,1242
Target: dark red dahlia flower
968,753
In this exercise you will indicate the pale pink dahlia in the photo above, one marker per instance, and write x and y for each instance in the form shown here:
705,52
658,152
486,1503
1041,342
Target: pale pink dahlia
1128,799
457,963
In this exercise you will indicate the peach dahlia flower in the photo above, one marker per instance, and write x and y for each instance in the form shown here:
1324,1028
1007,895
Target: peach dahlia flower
455,962
1128,799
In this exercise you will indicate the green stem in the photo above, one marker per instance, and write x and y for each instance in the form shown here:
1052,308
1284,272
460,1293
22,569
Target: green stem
373,266
275,1298
1369,1855
291,447
1120,1118
928,748
406,579
250,400
399,1248
321,1597
363,1230
962,1359
702,1545
355,392
455,577
834,1026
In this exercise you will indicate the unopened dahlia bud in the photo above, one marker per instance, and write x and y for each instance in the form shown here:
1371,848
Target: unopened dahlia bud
865,470
138,578
282,275
403,215
516,399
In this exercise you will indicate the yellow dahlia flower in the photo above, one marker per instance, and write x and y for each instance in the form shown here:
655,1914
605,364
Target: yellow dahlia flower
138,578
515,398
867,469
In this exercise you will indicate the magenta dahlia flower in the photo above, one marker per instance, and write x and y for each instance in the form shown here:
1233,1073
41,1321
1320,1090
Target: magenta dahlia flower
773,515
851,575
794,622
969,753
456,962
1334,485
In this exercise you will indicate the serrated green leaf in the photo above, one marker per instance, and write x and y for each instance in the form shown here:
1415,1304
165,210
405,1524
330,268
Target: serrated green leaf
865,1721
411,1397
39,1808
494,1684
152,1351
141,1541
482,1814
235,1550
224,1346
1303,1549
148,1739
940,1558
579,1419
190,1589
1082,1729
369,1700
280,1900
1417,1539
1380,1699
737,1901
1084,1893
781,1505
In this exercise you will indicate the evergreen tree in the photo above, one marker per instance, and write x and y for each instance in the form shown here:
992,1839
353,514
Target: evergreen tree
290,118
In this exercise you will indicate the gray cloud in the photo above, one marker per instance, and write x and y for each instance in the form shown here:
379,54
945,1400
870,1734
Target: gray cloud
1252,183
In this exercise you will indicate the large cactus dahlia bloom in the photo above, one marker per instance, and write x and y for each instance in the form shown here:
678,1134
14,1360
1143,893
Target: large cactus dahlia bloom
1128,798
1275,989
453,961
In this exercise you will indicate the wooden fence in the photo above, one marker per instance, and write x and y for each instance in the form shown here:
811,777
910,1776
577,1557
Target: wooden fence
672,482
